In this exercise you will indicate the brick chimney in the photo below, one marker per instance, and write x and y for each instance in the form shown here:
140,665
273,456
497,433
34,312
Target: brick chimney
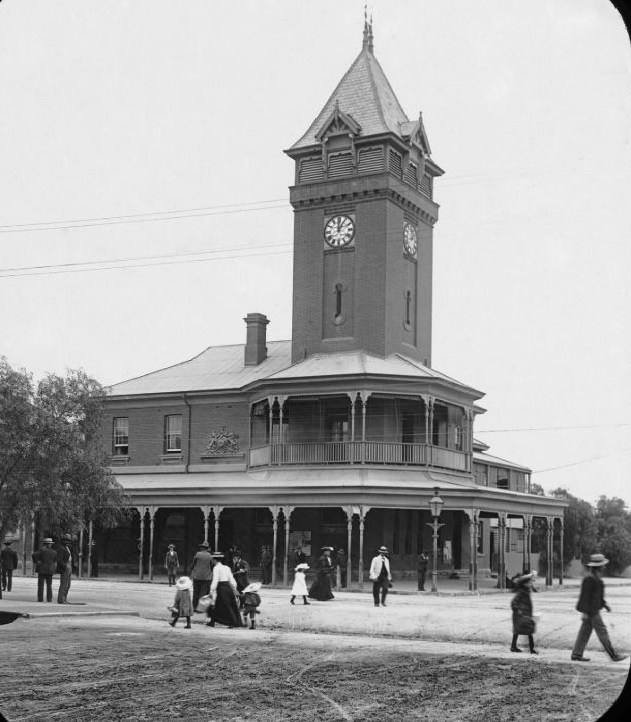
255,344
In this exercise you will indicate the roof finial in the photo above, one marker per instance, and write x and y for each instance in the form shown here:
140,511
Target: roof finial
366,41
371,47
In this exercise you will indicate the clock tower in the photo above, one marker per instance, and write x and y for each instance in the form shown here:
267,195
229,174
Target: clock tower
363,219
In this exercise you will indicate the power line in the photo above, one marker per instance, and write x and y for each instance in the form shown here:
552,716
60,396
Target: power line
585,461
550,428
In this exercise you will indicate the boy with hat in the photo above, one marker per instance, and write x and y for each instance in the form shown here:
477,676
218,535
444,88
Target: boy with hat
590,602
380,576
251,603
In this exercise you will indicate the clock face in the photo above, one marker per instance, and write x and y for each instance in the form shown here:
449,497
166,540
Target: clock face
339,231
409,239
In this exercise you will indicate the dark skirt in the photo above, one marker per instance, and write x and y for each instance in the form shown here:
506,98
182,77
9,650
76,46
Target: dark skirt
226,609
321,587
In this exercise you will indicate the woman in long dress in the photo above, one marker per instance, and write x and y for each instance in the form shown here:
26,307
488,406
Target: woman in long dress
321,587
223,588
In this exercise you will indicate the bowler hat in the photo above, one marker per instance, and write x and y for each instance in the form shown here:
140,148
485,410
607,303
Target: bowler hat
597,560
382,550
204,544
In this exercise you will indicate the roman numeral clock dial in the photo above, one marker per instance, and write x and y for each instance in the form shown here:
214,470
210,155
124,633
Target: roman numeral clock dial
339,231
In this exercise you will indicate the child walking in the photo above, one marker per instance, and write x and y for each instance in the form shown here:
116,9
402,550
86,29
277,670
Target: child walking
521,604
182,604
299,588
251,602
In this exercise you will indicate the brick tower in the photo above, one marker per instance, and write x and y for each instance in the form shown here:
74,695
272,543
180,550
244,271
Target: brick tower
364,217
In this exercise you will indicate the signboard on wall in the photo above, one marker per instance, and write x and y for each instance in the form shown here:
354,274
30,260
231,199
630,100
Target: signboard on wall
300,540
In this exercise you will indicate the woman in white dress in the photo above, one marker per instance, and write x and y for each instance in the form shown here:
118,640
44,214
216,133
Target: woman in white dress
299,588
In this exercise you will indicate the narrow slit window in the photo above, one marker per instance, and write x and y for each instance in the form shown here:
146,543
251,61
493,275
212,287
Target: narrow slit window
408,308
338,300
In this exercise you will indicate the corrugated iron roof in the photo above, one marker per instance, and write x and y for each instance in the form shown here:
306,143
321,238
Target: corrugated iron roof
496,461
222,367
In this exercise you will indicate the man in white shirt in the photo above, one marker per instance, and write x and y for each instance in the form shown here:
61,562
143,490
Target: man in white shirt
380,576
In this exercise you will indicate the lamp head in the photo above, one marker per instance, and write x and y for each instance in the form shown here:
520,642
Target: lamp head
436,503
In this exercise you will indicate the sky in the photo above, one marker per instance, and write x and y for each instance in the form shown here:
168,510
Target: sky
144,194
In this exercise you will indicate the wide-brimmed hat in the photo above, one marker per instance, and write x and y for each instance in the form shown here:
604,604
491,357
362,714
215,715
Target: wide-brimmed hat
48,540
254,587
597,560
382,550
217,555
184,583
172,546
326,549
301,568
524,578
204,544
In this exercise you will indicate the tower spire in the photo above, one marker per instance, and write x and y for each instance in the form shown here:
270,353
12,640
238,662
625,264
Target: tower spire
368,36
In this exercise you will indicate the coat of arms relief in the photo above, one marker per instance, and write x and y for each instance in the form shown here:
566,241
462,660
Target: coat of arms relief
222,443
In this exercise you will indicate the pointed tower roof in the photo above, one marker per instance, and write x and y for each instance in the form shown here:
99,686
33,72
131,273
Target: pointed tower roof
365,95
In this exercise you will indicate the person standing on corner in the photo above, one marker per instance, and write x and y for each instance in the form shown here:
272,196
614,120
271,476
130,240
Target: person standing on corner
94,560
266,564
422,562
9,561
201,572
45,564
380,576
171,564
590,602
64,567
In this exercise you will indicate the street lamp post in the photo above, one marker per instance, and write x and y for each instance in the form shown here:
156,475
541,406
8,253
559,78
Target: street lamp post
435,506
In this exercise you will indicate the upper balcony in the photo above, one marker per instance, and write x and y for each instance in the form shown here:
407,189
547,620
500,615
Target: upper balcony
383,453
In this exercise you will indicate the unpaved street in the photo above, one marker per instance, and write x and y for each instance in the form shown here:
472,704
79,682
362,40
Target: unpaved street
422,657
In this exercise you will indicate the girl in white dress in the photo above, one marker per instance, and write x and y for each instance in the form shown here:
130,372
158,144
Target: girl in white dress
300,584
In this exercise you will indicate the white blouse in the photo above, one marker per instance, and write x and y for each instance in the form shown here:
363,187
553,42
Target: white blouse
221,573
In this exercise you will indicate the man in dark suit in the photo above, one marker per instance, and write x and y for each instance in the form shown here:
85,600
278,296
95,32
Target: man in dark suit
45,561
8,561
590,602
64,567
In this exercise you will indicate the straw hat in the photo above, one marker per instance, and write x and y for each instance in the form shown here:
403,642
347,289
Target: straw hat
326,549
301,568
184,583
524,578
254,587
48,540
597,560
382,550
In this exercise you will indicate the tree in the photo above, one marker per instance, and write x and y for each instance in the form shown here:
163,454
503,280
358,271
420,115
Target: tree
579,527
52,463
614,532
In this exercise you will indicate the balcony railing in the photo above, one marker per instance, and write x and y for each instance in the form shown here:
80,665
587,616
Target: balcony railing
360,452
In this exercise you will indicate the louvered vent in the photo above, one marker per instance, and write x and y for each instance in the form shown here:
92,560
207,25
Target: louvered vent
370,160
395,163
426,186
340,164
311,170
410,176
